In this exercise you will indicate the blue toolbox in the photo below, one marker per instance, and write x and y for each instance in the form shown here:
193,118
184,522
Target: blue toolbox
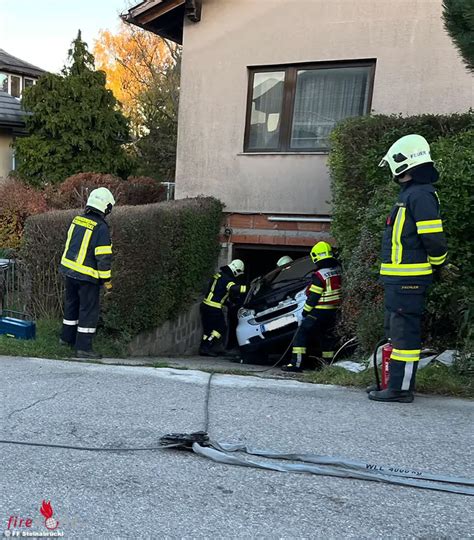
15,324
15,327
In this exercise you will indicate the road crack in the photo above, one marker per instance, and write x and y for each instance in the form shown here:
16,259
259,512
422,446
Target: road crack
49,398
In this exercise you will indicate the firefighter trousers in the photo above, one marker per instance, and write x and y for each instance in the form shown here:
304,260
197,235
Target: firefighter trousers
81,313
404,305
319,323
214,326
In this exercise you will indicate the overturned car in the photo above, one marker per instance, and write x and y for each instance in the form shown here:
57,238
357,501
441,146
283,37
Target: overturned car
272,310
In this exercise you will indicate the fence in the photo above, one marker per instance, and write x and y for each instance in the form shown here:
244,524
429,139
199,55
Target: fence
15,286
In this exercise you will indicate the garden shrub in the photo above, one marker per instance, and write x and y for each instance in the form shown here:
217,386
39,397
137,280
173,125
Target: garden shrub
163,255
73,192
17,203
363,195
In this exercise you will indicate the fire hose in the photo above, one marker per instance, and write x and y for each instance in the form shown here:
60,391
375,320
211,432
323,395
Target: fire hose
241,455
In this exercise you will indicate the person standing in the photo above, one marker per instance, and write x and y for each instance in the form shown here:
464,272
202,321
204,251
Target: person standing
413,248
86,266
320,310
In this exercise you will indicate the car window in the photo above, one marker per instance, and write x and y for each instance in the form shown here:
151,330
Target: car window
297,269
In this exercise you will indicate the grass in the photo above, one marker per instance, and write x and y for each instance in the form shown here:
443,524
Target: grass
46,344
434,379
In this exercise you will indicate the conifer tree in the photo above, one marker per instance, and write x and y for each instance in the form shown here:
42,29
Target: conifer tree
73,124
458,18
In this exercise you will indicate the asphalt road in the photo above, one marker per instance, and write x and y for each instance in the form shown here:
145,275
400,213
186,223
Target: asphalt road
180,495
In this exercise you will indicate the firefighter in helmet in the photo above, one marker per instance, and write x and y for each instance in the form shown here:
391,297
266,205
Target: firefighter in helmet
221,287
86,265
413,248
321,308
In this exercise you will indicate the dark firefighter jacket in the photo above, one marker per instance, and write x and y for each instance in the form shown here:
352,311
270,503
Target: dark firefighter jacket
413,242
221,286
88,252
325,289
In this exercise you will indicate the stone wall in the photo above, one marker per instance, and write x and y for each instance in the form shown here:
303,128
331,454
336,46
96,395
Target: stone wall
179,337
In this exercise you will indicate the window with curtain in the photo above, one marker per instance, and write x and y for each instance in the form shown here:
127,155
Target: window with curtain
295,108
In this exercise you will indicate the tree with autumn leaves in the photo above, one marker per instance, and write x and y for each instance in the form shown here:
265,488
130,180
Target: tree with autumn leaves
143,72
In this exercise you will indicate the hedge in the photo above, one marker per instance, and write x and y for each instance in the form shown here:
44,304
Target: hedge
363,195
163,254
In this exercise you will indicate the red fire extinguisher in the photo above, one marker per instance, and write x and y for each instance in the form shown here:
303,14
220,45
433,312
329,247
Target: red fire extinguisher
386,354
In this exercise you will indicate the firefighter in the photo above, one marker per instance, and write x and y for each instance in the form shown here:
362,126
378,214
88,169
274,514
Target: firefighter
284,261
86,265
321,308
413,247
221,287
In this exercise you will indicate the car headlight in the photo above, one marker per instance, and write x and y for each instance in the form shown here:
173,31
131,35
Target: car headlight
244,313
301,296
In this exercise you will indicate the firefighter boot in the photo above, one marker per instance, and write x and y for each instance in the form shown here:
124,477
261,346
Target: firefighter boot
206,348
401,383
296,361
390,395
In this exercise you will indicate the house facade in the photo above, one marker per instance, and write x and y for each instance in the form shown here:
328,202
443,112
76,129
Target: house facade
15,76
265,81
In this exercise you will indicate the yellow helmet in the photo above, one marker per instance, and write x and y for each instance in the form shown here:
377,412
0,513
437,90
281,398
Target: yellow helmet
406,153
321,251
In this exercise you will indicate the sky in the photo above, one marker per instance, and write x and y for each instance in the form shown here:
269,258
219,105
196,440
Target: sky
41,31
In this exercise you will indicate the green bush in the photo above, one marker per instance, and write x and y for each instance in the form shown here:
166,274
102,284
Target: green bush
363,195
358,184
163,254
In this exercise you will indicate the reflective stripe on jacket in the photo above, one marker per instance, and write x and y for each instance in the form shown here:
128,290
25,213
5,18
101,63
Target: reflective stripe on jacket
325,290
88,251
220,287
413,240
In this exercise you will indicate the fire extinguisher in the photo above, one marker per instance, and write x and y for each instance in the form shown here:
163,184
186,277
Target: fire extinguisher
386,354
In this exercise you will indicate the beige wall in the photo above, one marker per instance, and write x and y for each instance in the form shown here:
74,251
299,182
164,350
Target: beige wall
418,71
6,154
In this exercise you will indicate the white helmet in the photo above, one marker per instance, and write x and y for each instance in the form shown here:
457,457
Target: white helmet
101,199
406,153
282,261
237,266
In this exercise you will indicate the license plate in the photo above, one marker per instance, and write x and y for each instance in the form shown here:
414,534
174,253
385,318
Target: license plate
278,323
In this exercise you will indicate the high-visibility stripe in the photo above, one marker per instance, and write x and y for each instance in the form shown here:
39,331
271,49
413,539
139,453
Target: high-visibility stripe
243,289
103,250
204,337
81,269
430,226
405,269
84,245
212,304
230,284
105,274
216,334
327,306
68,240
406,355
84,222
307,307
438,260
407,376
70,323
397,247
299,350
84,330
327,354
208,299
316,289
